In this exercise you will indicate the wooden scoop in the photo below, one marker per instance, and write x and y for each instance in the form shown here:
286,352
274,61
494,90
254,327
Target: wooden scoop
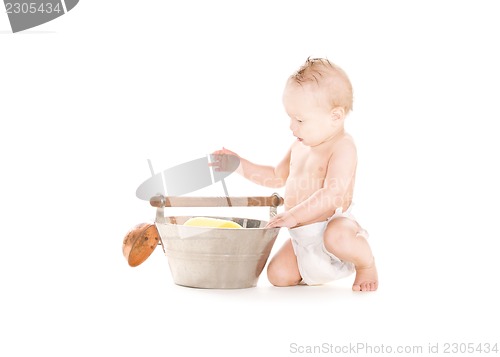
139,243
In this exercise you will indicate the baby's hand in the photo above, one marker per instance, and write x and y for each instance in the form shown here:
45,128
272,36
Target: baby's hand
285,219
224,160
224,151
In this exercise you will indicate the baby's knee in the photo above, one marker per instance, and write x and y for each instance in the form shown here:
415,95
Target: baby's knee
339,233
278,275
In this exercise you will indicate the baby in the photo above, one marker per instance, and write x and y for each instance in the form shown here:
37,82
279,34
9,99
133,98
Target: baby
318,173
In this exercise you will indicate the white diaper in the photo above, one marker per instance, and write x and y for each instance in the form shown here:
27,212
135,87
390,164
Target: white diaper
316,264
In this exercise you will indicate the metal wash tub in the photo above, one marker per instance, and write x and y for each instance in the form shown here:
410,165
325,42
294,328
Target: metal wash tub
221,258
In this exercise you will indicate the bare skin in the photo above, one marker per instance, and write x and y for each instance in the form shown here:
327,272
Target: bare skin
318,173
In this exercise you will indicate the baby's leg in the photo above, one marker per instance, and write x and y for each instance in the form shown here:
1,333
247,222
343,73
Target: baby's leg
283,269
342,240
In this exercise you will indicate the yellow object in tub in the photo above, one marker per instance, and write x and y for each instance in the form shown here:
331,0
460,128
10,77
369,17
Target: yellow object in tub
211,222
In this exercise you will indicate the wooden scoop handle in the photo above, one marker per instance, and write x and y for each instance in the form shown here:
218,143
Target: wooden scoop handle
272,201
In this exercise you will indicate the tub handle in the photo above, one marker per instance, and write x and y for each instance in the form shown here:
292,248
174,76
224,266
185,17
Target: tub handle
273,201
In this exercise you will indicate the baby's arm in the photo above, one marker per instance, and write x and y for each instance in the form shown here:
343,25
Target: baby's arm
263,175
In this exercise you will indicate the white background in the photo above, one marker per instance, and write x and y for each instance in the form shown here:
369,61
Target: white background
86,99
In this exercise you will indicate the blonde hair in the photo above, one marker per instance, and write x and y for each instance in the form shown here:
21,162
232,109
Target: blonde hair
329,77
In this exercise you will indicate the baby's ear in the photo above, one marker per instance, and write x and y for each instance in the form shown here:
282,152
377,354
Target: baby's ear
338,113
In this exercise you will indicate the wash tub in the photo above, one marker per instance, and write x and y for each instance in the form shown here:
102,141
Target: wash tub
216,258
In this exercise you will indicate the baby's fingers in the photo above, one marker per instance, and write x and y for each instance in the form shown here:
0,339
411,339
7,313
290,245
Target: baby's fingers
225,151
273,223
216,166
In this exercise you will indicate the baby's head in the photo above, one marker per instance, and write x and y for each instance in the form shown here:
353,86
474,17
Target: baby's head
317,98
329,81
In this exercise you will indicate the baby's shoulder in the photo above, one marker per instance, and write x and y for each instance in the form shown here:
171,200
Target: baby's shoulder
345,146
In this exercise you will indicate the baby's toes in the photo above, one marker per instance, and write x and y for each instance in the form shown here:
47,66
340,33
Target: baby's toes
371,286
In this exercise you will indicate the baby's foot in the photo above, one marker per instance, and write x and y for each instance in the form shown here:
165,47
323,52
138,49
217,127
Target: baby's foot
366,278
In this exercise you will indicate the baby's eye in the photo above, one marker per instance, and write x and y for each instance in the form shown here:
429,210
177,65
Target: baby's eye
300,121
